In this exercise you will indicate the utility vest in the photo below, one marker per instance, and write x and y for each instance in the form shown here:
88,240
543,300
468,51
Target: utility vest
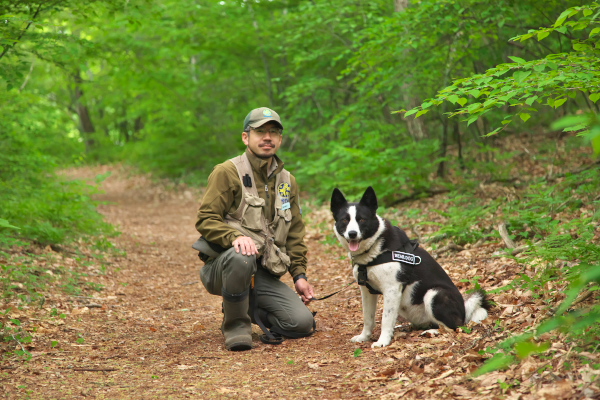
249,218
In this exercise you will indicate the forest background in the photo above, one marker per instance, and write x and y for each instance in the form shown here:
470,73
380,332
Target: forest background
165,85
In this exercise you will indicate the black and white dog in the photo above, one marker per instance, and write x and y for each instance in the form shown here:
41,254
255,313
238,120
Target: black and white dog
385,261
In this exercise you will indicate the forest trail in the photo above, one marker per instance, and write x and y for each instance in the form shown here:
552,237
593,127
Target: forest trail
153,331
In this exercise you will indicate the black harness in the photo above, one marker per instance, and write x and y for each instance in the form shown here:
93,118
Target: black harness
405,257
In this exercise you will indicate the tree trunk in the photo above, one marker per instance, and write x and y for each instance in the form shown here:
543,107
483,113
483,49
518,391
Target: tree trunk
441,166
86,126
264,57
416,128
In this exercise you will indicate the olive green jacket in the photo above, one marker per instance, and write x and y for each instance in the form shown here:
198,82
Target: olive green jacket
223,195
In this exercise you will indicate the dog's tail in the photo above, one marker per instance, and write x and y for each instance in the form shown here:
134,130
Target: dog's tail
477,306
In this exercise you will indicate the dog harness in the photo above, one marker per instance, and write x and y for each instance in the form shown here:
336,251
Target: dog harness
404,257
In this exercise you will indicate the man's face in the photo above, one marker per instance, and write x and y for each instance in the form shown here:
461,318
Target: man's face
261,141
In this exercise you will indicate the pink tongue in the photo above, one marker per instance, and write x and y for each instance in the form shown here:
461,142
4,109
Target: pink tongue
353,245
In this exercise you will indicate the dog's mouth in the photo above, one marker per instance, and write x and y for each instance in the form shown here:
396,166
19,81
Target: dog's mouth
353,244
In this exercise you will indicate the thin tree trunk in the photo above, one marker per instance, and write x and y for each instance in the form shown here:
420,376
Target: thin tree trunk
458,140
86,126
263,56
416,128
441,166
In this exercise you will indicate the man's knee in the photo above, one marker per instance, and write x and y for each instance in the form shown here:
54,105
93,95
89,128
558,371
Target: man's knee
238,270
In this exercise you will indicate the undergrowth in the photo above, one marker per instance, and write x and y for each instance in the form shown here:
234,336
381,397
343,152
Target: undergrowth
556,227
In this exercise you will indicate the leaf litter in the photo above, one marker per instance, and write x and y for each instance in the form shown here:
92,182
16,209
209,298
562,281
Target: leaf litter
153,331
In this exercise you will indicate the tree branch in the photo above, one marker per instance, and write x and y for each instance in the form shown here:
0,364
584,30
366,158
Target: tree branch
8,48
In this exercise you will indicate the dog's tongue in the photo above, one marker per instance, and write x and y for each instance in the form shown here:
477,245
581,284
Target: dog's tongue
353,244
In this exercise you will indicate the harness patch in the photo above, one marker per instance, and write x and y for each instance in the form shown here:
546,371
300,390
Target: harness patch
406,258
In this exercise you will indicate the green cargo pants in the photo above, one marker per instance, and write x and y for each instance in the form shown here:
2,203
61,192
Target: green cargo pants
232,272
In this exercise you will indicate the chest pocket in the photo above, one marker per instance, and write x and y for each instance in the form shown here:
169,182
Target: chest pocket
252,215
282,223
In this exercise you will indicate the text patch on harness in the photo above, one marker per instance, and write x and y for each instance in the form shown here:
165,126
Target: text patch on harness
406,257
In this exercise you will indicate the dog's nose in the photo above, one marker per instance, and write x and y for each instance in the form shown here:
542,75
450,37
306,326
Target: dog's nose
352,234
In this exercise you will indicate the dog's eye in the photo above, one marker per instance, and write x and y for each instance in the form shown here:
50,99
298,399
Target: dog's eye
361,220
345,220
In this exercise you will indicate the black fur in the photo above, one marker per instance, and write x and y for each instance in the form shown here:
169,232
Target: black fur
365,233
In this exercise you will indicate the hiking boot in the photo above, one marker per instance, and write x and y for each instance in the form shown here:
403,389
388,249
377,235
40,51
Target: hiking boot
237,328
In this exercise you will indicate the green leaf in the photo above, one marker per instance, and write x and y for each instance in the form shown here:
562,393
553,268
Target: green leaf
524,116
520,76
596,144
462,101
421,113
475,93
472,119
499,361
594,97
559,102
518,60
524,349
411,112
426,105
530,100
493,132
542,34
563,17
452,98
5,224
594,32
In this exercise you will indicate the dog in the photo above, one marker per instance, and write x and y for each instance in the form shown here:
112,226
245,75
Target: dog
385,261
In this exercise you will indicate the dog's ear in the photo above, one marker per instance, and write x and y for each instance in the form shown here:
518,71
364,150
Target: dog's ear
337,200
369,199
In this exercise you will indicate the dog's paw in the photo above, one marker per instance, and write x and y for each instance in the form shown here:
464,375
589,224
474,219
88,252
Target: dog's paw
381,343
361,338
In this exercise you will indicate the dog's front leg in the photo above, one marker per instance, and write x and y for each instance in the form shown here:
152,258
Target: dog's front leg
391,303
369,304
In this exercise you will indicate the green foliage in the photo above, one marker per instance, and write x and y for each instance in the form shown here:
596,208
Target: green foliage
523,87
559,223
37,205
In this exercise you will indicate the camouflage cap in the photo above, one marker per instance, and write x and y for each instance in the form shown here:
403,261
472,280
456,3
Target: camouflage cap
260,116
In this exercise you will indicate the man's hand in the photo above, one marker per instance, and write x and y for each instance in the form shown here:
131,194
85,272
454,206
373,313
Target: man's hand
246,245
305,290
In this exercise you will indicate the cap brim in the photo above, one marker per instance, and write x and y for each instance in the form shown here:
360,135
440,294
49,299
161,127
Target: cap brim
264,121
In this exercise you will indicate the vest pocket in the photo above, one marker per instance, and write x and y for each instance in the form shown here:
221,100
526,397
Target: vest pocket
252,217
282,226
275,260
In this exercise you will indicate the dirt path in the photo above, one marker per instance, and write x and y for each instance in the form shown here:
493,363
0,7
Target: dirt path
153,331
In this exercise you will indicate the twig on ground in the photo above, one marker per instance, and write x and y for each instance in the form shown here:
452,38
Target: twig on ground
95,369
504,234
448,247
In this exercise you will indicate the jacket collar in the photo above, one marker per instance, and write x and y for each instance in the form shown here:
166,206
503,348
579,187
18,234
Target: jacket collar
260,164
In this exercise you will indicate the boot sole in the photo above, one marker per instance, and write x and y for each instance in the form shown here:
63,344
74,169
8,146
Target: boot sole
240,347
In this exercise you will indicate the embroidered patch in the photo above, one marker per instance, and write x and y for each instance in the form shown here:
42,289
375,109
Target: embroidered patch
406,257
267,113
285,206
284,191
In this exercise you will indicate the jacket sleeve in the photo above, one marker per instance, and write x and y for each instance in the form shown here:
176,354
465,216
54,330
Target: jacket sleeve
295,246
218,199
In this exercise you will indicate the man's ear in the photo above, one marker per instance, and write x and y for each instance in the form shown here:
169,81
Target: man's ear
245,136
337,200
369,199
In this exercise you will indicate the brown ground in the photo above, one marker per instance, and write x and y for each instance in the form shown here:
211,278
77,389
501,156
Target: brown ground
153,331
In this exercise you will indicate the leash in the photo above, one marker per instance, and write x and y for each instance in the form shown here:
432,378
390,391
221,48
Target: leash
334,293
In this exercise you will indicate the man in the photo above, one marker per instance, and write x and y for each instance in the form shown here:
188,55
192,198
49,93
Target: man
252,233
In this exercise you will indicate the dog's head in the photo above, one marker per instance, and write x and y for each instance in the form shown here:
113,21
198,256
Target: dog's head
355,222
